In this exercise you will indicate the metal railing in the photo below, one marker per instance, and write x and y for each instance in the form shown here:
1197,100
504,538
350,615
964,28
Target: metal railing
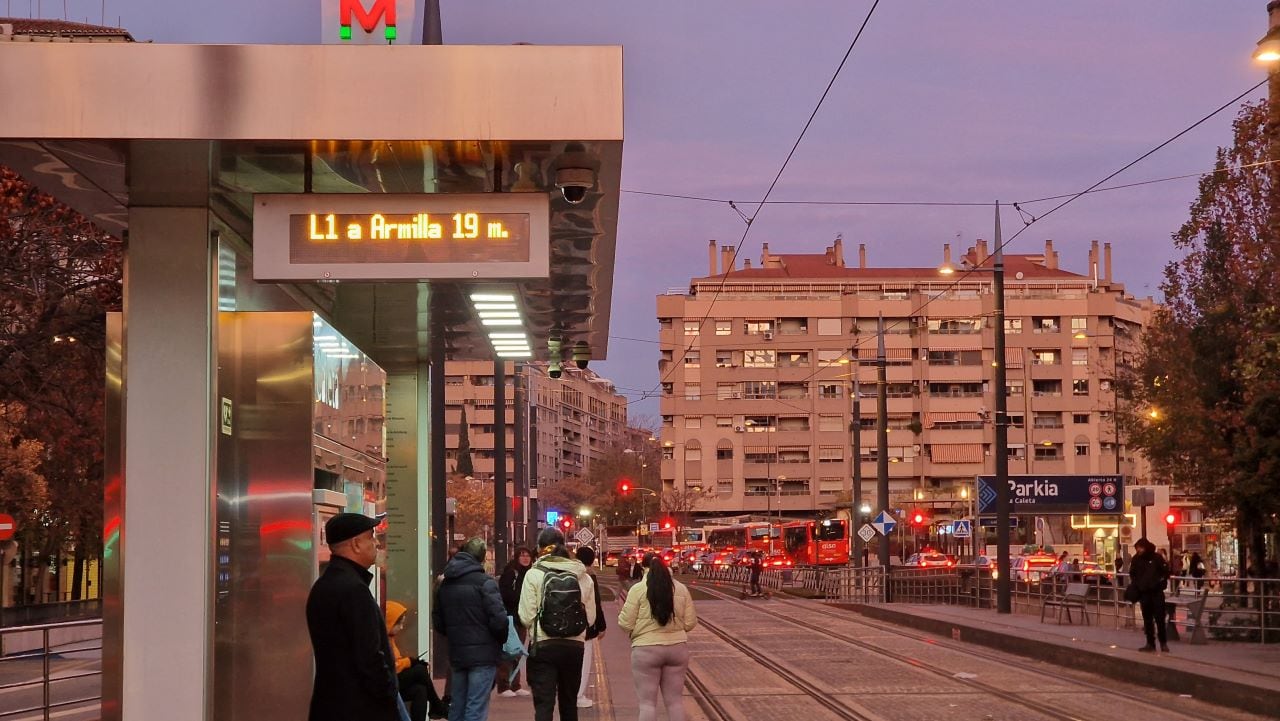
770,579
844,584
50,612
66,653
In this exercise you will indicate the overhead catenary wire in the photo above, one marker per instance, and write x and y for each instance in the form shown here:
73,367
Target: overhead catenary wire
790,154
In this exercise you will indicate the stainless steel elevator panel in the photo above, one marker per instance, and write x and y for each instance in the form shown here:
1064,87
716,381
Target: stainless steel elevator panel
264,565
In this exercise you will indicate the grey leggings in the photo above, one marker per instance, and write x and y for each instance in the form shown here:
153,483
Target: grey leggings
660,667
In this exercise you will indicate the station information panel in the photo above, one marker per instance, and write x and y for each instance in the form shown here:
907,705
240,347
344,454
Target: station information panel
400,237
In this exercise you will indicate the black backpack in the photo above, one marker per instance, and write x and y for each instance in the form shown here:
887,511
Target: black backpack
562,613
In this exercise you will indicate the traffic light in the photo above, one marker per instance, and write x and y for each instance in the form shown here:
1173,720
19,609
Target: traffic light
1171,519
624,487
566,523
917,519
666,524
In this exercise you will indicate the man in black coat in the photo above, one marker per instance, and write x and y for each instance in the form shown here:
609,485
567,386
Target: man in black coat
355,671
468,610
1149,573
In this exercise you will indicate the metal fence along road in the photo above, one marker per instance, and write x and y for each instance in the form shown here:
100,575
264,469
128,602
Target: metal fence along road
56,674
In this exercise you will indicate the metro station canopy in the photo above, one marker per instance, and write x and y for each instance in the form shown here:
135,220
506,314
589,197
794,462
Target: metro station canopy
291,119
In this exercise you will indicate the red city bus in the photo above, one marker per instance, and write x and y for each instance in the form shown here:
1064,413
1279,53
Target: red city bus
821,543
721,538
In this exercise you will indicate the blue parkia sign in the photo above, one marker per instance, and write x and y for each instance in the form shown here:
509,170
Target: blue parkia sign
1056,495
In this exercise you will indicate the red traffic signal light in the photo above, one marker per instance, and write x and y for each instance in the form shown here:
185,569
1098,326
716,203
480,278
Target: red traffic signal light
666,524
566,523
1170,518
917,519
624,487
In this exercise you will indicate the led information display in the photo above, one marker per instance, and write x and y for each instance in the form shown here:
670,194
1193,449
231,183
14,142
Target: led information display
399,237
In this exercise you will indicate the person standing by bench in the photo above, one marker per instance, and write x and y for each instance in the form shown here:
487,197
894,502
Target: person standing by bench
1148,577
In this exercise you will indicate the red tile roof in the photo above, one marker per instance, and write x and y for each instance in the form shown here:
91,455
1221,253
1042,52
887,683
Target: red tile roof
62,28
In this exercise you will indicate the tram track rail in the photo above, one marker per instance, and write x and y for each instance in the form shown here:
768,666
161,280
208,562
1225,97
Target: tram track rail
1053,712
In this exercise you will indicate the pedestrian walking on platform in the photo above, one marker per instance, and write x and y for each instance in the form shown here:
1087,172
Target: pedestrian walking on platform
624,573
558,605
588,557
1197,569
757,567
510,583
659,614
355,674
468,610
1148,577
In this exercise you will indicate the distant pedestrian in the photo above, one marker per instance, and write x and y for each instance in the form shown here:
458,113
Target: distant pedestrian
624,573
557,603
588,557
468,610
1197,569
757,567
1148,577
658,614
355,674
510,583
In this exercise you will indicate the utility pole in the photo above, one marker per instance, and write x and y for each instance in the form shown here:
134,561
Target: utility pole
882,435
855,496
499,463
1003,600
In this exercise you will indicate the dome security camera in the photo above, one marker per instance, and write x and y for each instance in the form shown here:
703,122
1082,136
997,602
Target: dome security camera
553,370
574,183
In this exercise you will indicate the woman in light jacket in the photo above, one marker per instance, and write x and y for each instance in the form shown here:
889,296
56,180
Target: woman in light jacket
659,614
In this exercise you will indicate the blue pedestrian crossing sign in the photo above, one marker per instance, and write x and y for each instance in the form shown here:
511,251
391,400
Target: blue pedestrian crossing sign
884,523
962,529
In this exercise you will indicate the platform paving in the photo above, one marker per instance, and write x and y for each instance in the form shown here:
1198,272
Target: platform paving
1235,674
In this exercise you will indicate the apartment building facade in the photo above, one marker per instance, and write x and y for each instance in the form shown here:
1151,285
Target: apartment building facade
568,421
758,391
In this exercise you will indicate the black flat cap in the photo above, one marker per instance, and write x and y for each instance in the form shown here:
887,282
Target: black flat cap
346,526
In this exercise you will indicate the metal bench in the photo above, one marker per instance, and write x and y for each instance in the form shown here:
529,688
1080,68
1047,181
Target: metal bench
1075,596
1192,600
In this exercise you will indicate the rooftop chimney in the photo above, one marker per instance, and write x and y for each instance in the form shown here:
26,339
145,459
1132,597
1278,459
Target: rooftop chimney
746,264
1050,257
862,255
946,254
839,251
711,256
980,252
1094,270
1106,263
727,261
764,255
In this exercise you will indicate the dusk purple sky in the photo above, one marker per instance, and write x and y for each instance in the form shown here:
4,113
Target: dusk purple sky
941,101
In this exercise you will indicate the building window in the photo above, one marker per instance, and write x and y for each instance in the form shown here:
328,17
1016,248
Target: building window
724,327
727,391
955,326
1082,449
1080,418
794,423
793,326
1080,387
692,359
1048,419
453,380
667,388
664,324
693,391
1079,324
759,390
1079,356
830,454
830,423
1045,324
724,359
1017,420
956,390
1017,452
1048,453
1014,388
759,359
793,359
1047,357
693,421
668,454
758,327
693,454
830,486
724,421
668,421
1012,325
724,486
828,326
724,454
1046,388
831,390
691,327
827,358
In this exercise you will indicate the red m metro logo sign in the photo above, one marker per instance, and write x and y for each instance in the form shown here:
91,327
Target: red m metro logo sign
383,11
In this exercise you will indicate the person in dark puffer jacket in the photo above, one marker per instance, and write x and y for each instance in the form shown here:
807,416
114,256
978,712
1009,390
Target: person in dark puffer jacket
468,609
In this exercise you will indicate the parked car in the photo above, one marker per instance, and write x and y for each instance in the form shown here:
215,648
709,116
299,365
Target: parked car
1033,568
1095,573
928,559
611,558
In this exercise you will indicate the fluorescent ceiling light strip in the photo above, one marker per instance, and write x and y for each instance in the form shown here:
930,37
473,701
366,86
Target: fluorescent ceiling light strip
510,354
496,306
499,314
492,298
501,321
518,343
498,335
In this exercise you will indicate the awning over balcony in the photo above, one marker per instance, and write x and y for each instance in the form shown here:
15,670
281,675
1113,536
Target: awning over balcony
956,452
934,418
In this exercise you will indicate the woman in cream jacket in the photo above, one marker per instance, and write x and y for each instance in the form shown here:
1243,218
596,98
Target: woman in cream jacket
658,614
